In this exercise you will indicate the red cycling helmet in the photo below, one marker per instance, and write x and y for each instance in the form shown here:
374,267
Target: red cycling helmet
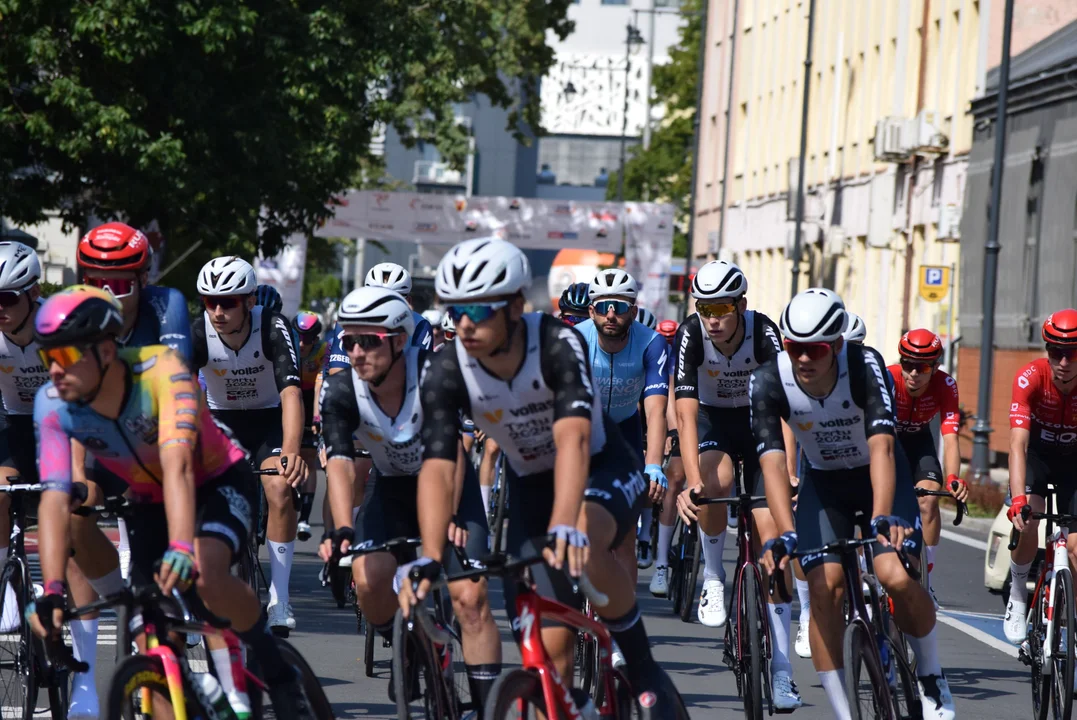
1060,328
114,246
667,329
920,344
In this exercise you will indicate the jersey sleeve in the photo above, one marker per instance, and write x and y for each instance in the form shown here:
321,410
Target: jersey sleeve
655,367
949,404
277,344
878,401
176,324
423,337
340,415
178,398
688,346
1025,387
769,338
53,442
199,349
565,368
768,406
337,359
444,400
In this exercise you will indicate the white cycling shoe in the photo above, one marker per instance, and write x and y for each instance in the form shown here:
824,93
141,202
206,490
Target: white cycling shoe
711,611
935,698
659,586
802,645
281,617
1013,625
785,693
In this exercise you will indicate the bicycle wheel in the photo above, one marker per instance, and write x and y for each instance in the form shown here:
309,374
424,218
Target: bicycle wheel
751,645
1061,669
865,684
130,677
903,688
368,649
586,658
513,693
418,685
676,566
319,703
690,572
1037,636
498,529
18,669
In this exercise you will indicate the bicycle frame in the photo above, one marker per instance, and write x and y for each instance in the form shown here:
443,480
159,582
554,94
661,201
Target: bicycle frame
1048,575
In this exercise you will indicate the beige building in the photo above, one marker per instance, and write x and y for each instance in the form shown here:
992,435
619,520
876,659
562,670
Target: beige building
887,151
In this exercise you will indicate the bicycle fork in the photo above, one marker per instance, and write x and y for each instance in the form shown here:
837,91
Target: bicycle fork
1059,559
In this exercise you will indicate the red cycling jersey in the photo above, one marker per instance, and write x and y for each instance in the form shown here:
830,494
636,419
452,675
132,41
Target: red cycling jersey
940,397
1039,407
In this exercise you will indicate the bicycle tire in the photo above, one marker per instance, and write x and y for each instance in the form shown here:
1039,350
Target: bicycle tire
1040,685
676,566
510,690
17,661
905,691
1062,654
319,703
498,529
428,678
862,656
368,649
691,575
134,673
751,649
587,658
60,696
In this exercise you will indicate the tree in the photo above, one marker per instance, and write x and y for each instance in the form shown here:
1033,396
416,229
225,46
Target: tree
663,172
231,122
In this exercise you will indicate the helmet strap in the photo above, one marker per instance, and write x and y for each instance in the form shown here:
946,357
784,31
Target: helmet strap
100,378
510,329
26,319
376,382
247,318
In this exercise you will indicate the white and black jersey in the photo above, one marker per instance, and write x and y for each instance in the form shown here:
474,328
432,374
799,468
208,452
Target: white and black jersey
833,431
553,382
705,374
21,374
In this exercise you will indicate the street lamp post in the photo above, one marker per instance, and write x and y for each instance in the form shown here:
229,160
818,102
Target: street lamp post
632,37
803,151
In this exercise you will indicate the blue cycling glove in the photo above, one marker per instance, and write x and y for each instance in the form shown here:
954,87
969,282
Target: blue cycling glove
654,474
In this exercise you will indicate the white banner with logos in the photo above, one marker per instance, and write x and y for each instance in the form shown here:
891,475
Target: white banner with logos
285,272
648,252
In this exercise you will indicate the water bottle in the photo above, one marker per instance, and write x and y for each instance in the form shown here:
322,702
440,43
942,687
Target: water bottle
214,696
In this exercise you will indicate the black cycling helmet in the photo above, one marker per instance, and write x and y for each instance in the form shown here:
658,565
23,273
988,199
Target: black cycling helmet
575,299
79,315
307,323
268,297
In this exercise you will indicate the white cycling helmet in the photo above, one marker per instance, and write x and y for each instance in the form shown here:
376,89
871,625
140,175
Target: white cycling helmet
391,276
481,268
229,275
814,315
377,306
719,280
433,316
19,266
645,316
613,283
447,325
856,332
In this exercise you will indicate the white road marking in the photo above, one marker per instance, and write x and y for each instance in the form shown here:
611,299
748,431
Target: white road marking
977,634
964,540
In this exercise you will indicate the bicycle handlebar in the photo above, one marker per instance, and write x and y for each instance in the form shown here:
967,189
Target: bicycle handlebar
1028,513
698,499
367,547
962,508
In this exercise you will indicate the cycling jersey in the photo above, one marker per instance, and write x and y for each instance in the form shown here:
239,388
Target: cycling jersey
832,431
162,407
725,380
421,338
21,374
253,376
162,320
553,382
313,364
1038,406
914,414
633,373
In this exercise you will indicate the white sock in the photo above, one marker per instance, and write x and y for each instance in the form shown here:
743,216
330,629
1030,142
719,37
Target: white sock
929,551
645,520
10,619
926,650
1018,578
125,543
780,620
833,682
280,568
665,538
486,491
805,600
106,585
222,661
713,545
84,702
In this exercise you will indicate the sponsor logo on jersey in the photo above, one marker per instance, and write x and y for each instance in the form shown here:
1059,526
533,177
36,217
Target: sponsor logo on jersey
494,416
531,409
714,373
805,426
7,368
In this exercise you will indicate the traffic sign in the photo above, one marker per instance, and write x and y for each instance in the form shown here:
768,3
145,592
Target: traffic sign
934,282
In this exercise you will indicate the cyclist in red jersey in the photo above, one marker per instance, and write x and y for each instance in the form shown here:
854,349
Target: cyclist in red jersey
922,391
1043,448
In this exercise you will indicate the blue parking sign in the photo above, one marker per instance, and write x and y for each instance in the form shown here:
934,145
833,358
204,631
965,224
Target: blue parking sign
934,282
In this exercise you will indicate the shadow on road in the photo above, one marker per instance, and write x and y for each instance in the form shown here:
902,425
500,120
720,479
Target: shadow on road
980,683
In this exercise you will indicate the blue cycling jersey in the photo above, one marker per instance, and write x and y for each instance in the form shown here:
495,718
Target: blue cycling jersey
162,320
421,338
638,371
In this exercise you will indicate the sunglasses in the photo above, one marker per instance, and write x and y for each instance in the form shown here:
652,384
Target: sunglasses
450,334
308,338
10,298
119,287
924,368
224,302
476,312
365,341
814,350
620,307
1057,353
65,357
716,310
572,319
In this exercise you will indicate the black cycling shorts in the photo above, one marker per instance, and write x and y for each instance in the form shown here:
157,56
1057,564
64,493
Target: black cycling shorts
923,456
1043,469
259,431
18,446
390,511
729,430
828,503
634,433
225,510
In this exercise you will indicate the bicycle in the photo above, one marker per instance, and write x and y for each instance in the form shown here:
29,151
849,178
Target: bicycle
962,510
1048,647
499,499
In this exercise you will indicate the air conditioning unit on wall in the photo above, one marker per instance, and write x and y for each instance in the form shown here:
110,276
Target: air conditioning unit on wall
924,135
890,144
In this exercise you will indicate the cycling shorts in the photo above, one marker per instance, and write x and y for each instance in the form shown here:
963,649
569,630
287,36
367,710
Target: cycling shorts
259,431
729,430
923,456
18,446
829,501
1043,469
225,509
633,434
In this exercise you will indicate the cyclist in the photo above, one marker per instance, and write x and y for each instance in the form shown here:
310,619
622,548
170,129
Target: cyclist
140,411
573,307
448,328
435,317
659,585
313,355
646,317
628,367
717,349
921,391
1043,440
253,387
378,400
857,332
525,380
838,405
393,277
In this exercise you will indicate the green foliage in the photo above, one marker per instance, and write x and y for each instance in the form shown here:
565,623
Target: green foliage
48,288
321,281
232,123
663,172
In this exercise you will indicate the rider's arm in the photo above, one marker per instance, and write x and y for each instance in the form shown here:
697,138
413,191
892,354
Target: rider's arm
790,450
689,349
278,345
881,452
1025,385
1019,438
199,349
178,416
337,359
945,388
423,337
175,324
458,476
655,392
769,407
444,396
879,430
339,419
671,409
54,469
78,461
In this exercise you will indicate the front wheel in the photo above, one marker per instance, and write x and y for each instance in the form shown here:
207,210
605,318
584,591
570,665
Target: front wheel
1061,682
751,646
513,693
866,687
689,571
18,667
418,685
133,676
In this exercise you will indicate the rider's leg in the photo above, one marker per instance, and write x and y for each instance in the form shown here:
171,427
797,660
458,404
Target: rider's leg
310,487
931,520
779,610
668,518
716,468
827,586
280,533
486,471
373,575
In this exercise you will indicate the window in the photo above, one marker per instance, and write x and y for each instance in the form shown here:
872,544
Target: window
1033,218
